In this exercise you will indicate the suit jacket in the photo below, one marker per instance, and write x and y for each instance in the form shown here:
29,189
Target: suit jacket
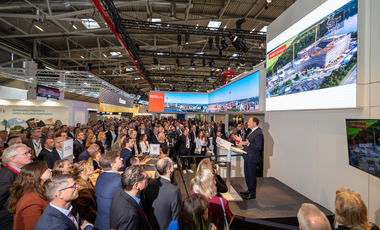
139,134
43,153
106,186
51,158
256,140
137,147
53,219
30,144
109,136
241,133
154,139
28,210
78,148
101,146
126,214
69,134
7,177
125,154
162,203
182,145
85,204
84,155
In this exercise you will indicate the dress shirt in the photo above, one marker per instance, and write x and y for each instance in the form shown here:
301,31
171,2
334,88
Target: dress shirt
37,146
15,168
59,153
137,199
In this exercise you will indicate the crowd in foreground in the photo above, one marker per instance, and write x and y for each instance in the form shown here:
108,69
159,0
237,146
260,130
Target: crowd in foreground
40,189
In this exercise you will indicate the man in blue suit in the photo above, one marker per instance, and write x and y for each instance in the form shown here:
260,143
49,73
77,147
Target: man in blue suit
106,186
59,214
252,145
87,153
126,152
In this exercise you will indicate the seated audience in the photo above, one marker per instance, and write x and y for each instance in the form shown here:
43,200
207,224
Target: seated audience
126,210
94,161
193,214
351,211
85,204
144,145
87,152
162,199
14,158
107,184
61,167
220,184
28,200
204,184
61,190
132,160
311,218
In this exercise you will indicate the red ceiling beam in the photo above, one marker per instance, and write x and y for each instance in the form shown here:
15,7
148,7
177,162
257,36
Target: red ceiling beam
110,25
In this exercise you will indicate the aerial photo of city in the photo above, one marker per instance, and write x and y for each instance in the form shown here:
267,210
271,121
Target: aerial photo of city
322,56
249,104
184,102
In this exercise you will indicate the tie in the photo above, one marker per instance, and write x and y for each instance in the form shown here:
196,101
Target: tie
73,220
145,216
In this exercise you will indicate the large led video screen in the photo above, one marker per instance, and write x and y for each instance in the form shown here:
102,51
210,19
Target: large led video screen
363,138
186,102
313,63
239,96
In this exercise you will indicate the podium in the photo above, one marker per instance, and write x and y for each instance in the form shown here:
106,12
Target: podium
225,148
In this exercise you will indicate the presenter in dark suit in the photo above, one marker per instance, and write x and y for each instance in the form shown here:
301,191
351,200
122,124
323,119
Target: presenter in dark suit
126,209
59,214
252,145
162,199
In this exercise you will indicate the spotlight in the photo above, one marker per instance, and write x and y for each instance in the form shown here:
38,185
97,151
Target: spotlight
211,63
177,61
204,62
269,1
210,43
266,7
220,52
110,80
13,28
217,41
192,63
239,23
235,41
89,66
179,39
155,61
137,47
187,37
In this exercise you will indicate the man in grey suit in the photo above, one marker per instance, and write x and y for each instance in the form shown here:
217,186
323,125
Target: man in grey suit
162,199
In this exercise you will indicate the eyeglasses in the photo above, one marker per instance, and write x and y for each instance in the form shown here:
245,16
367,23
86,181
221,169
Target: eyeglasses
208,205
74,186
29,152
146,178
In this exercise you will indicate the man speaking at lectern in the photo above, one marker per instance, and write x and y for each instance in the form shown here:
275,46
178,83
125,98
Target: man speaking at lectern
253,144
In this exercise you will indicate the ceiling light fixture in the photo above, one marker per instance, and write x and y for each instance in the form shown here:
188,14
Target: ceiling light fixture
179,39
39,28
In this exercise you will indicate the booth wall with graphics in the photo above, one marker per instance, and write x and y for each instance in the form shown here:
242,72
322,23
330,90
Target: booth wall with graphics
307,149
19,112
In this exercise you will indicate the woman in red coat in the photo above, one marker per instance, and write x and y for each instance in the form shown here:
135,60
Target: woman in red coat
28,200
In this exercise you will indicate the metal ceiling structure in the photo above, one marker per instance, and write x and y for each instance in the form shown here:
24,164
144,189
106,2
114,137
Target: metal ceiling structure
56,32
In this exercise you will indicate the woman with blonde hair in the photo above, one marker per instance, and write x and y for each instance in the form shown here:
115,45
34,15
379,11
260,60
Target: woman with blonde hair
91,139
220,184
85,204
103,143
351,212
28,200
164,148
117,145
61,167
204,183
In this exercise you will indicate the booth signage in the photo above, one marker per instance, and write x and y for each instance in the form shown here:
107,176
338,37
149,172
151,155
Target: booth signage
112,98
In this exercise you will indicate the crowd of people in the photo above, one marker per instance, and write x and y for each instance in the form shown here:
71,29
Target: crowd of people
40,189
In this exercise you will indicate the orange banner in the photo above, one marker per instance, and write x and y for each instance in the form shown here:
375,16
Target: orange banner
156,102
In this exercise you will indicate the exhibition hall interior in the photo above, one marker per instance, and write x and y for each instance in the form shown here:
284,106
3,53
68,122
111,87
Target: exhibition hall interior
198,114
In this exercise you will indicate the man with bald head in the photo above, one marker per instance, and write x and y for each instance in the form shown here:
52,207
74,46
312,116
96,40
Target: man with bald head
162,199
311,218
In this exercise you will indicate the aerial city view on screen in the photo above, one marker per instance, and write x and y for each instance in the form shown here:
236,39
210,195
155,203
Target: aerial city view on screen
184,102
322,56
363,138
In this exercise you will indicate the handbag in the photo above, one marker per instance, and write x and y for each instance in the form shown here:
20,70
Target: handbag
224,213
